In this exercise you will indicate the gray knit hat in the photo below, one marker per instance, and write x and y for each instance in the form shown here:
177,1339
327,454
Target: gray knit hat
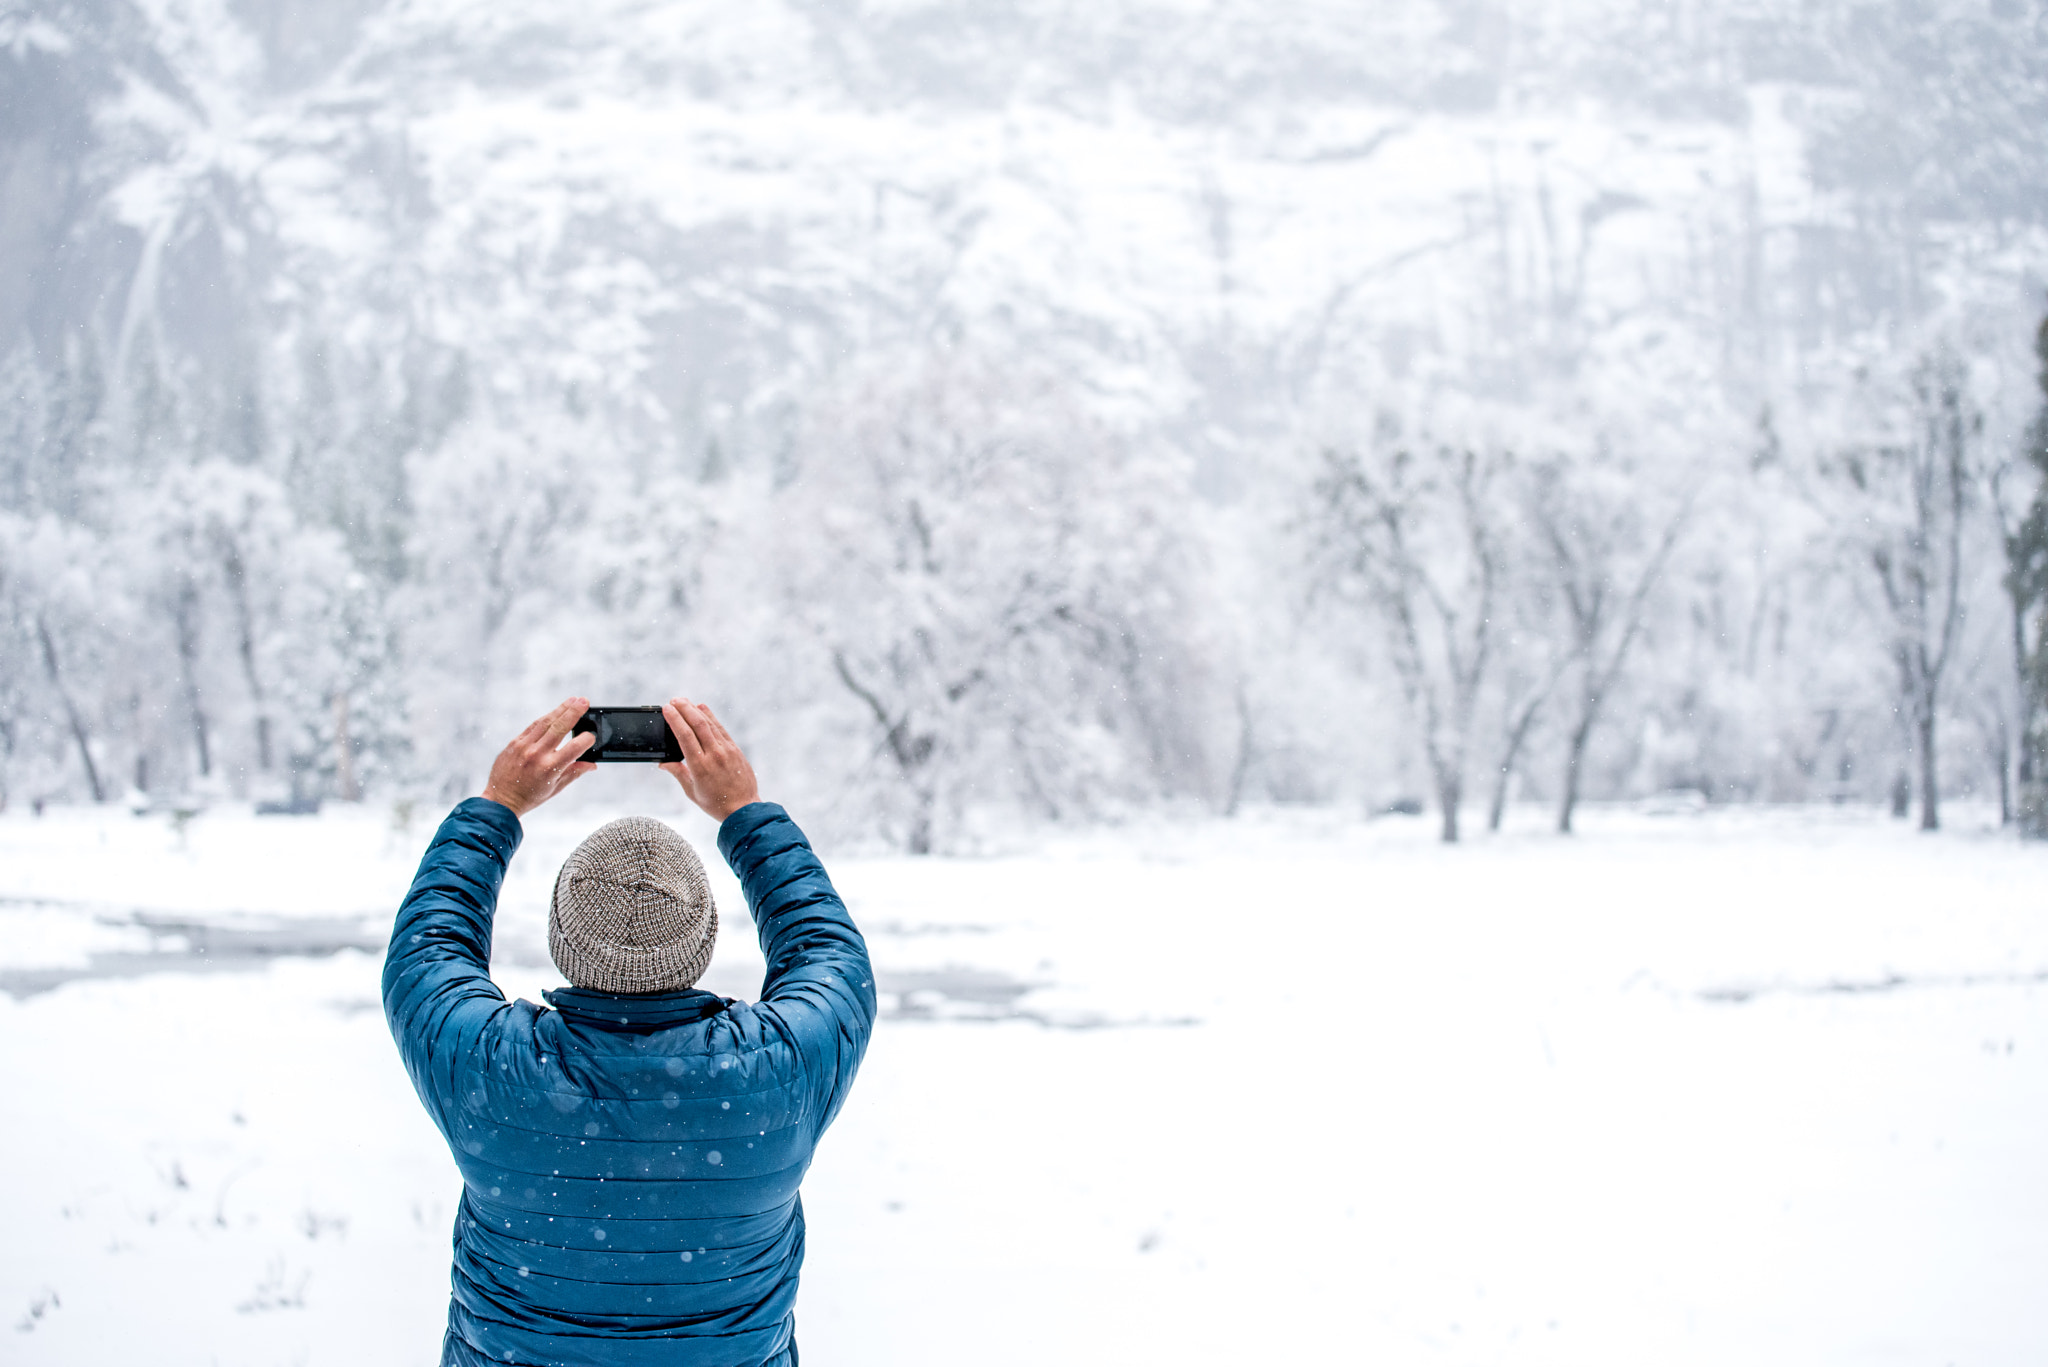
632,911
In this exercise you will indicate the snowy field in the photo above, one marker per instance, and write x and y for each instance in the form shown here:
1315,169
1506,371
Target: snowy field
1736,1087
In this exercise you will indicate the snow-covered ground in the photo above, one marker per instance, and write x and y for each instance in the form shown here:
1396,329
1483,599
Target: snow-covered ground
1740,1087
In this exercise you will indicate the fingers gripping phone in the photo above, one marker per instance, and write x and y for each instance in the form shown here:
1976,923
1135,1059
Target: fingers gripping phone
629,735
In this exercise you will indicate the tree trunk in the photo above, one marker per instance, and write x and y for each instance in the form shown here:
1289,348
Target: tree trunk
2026,685
344,751
77,723
921,824
187,636
1498,806
1450,791
1510,752
2004,760
245,622
1241,770
199,732
1575,754
2030,809
1930,799
906,747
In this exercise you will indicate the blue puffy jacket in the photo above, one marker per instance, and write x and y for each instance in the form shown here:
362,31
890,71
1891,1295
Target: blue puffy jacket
629,1163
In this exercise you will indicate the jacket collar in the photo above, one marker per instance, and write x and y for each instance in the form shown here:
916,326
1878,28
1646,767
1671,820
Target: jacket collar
634,1013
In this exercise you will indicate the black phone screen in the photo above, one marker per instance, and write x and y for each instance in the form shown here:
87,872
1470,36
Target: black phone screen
627,735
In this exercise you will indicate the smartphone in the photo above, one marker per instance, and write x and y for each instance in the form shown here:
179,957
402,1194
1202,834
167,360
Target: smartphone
629,735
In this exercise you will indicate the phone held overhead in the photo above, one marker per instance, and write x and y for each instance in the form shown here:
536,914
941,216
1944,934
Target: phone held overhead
629,735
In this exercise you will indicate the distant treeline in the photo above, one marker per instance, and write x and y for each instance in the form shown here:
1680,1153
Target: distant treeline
1432,404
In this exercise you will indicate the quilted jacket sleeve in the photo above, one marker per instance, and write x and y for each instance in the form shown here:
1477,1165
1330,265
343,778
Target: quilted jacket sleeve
819,983
438,994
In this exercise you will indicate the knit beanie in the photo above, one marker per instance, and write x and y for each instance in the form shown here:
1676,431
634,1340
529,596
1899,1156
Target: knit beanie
632,911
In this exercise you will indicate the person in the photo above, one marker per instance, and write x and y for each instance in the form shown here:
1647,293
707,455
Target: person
630,1152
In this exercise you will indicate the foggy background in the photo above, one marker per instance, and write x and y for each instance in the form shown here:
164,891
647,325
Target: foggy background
1133,476
1013,412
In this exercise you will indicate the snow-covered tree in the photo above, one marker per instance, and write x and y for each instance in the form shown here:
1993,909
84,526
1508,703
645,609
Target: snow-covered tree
374,408
989,578
63,618
1607,521
1416,531
1906,507
2026,585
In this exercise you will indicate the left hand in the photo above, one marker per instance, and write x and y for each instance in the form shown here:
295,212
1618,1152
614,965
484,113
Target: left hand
714,773
537,765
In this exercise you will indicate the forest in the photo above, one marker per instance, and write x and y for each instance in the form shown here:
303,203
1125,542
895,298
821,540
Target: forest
1031,412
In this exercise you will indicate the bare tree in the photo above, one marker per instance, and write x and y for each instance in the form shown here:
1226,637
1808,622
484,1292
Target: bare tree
184,614
498,512
2019,492
223,531
63,613
911,749
1418,537
234,567
1246,752
1527,685
73,719
1911,511
1987,706
1606,545
1003,641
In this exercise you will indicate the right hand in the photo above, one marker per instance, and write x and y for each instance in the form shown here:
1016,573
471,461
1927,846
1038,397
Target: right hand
537,764
713,773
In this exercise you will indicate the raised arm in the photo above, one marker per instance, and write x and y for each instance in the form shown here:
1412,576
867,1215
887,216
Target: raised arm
819,982
437,977
438,993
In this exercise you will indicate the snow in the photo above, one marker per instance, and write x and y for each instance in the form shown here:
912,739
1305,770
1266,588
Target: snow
506,322
1761,1086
